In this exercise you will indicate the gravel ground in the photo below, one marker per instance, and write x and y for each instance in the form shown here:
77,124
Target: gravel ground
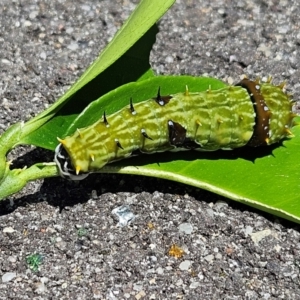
182,243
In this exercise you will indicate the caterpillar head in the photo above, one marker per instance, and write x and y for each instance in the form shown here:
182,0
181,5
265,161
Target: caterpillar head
64,164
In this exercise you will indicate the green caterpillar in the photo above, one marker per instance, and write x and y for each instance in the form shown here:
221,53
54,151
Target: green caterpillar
250,113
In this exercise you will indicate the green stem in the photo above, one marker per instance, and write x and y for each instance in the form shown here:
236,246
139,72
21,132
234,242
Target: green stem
14,180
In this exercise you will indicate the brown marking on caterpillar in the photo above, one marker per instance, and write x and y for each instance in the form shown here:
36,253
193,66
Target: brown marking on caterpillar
177,136
177,133
262,119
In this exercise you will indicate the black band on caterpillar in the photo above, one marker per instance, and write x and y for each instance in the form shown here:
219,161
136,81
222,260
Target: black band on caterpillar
250,113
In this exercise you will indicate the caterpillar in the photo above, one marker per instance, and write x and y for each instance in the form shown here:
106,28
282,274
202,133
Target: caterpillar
250,113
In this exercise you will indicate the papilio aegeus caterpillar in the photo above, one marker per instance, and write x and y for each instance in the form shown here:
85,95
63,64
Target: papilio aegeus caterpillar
250,113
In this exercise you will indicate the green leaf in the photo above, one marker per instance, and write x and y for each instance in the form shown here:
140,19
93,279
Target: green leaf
267,178
119,63
140,91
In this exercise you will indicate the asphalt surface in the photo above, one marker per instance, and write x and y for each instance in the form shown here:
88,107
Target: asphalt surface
225,250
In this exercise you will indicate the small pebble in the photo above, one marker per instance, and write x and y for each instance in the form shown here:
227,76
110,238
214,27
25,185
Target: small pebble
209,258
258,236
194,284
8,230
73,46
43,55
186,228
27,23
185,265
8,276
